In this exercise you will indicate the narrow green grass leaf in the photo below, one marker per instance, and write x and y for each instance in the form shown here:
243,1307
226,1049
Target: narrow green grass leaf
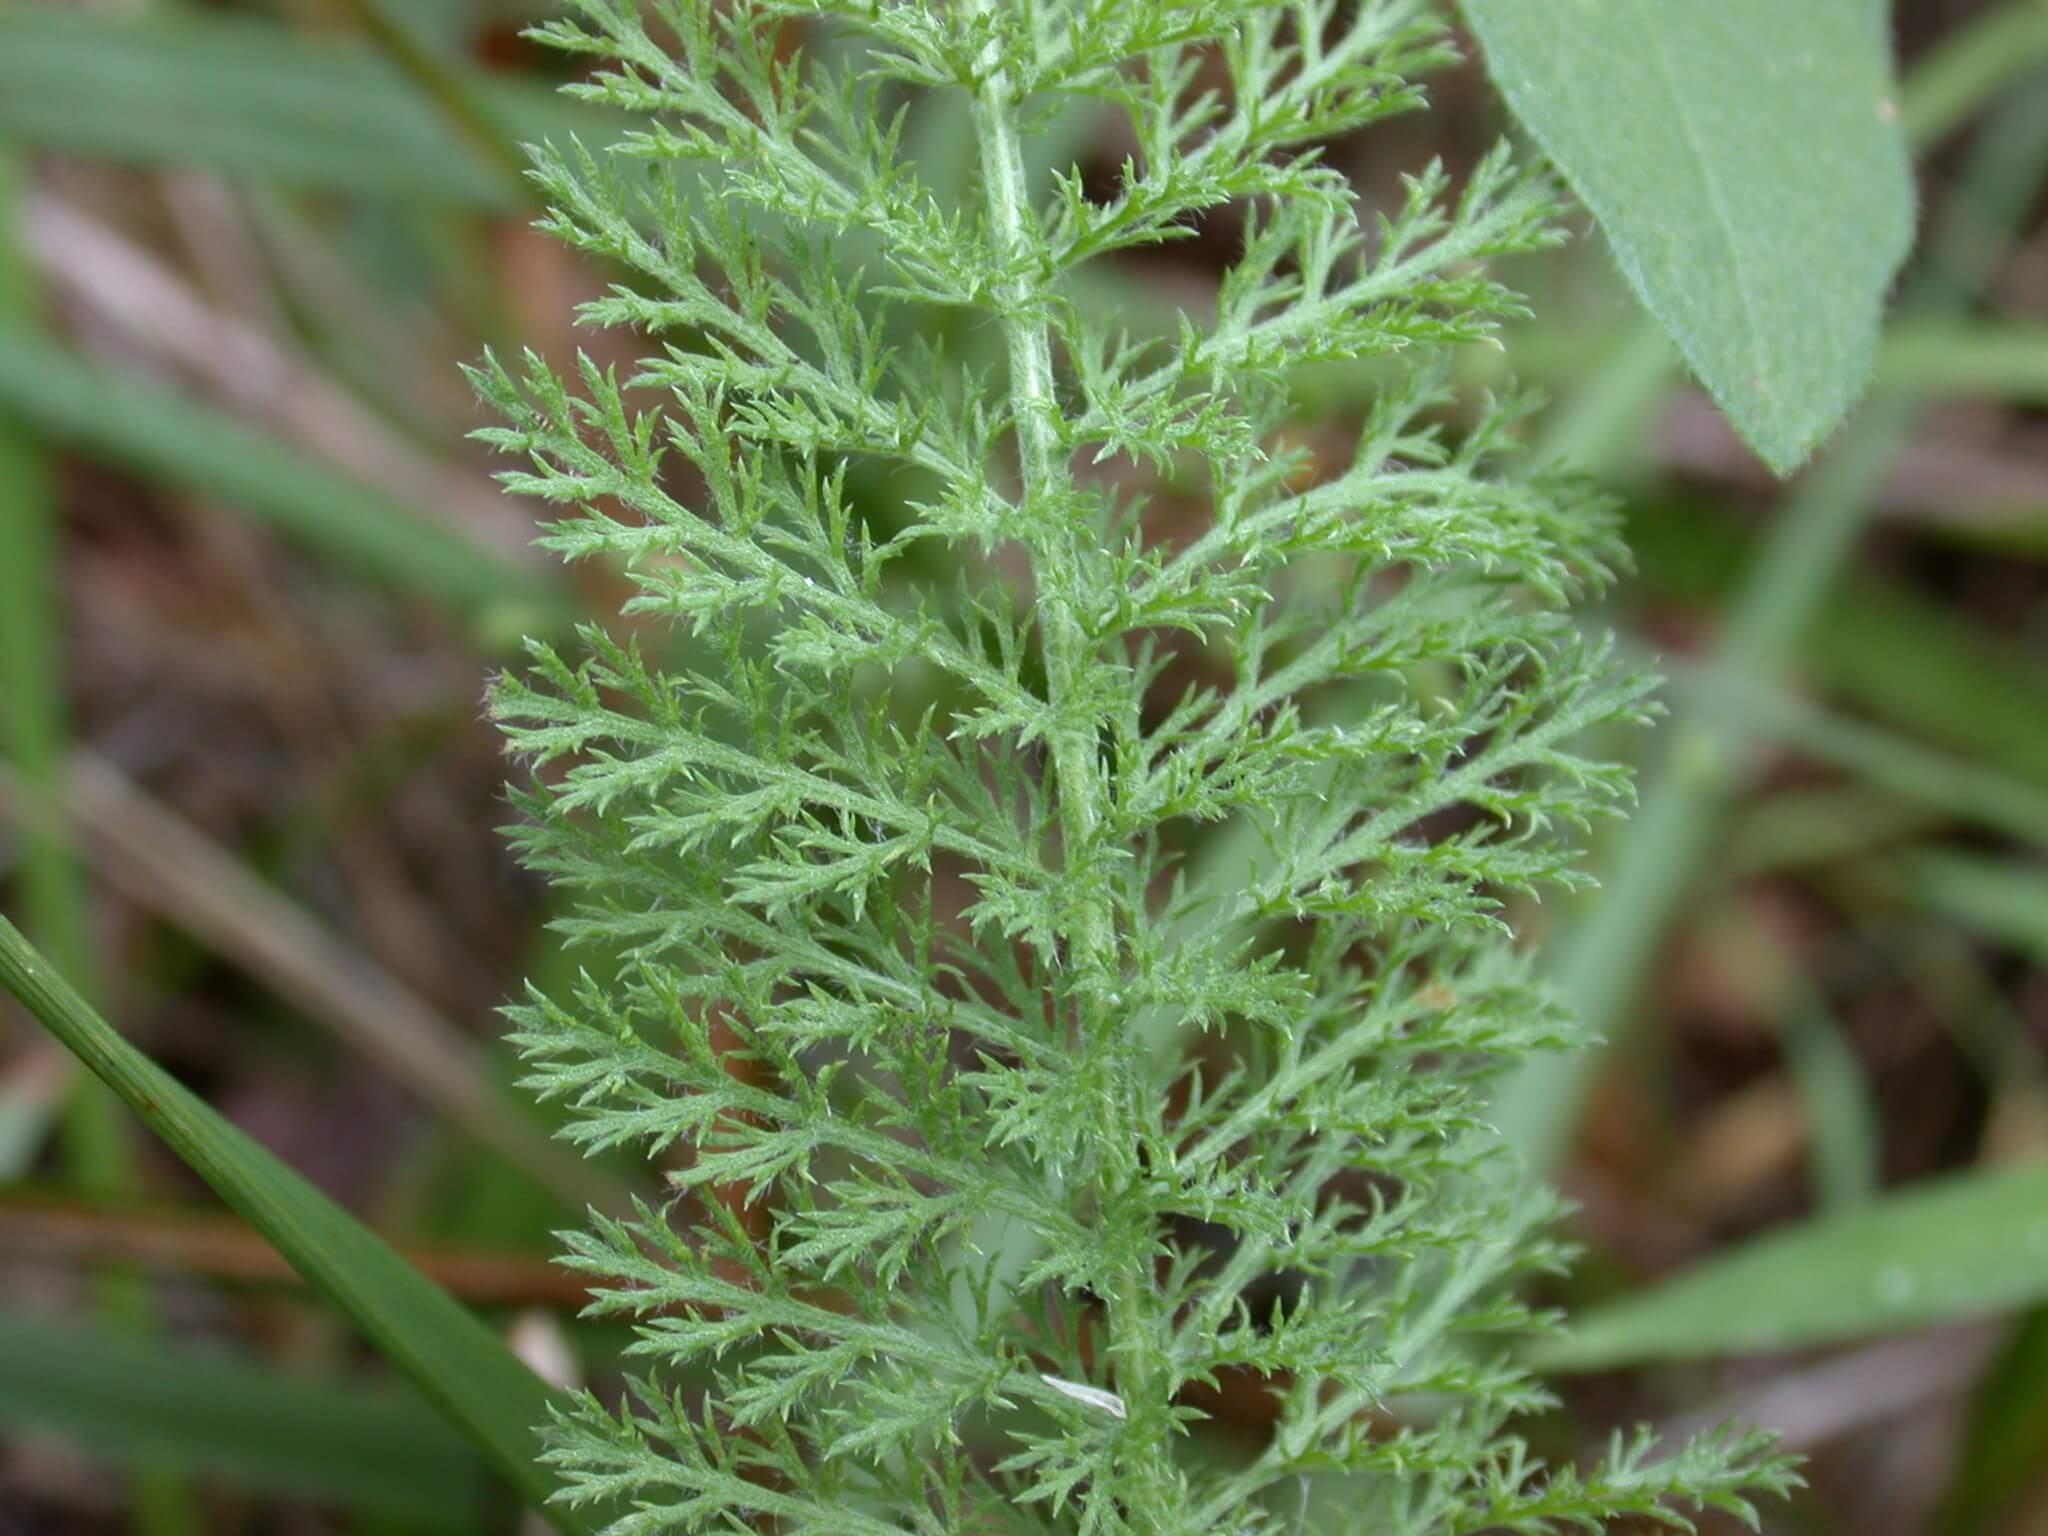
1746,162
34,732
1993,898
218,1415
1959,787
1948,1249
154,431
395,29
480,1386
1971,65
2005,360
35,735
1819,823
1894,655
2003,1449
1843,1140
251,98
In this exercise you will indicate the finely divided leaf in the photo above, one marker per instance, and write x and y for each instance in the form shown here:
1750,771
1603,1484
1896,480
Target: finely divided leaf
989,1135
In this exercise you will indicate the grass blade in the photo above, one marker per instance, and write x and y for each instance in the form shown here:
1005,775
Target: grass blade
479,1385
34,732
250,98
1889,652
218,1415
1843,1145
397,34
167,864
1948,1249
2005,361
1960,787
142,305
1974,64
2003,902
155,431
2004,1447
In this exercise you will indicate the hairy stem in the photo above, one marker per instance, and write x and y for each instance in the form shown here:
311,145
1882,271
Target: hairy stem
1132,1301
1056,572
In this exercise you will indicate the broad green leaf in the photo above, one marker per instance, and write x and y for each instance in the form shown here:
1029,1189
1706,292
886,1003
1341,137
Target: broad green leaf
1746,161
1948,1249
148,428
253,98
459,1366
215,1414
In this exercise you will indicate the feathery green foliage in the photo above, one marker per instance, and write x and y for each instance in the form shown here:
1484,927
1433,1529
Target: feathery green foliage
1001,1112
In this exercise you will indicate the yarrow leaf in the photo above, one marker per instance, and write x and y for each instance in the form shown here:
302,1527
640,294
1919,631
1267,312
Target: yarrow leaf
1047,843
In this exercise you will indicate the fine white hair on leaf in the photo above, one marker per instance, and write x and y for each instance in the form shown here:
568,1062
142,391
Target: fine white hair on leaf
1081,1392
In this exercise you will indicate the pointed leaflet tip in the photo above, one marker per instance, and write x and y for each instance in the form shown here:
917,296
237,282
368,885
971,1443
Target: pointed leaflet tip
1756,194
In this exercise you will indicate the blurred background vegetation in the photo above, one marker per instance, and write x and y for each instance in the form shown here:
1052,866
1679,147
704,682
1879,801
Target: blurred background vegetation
252,579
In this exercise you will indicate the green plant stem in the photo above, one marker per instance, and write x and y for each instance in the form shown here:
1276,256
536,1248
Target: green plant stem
31,703
33,731
1843,1149
1034,409
1133,1300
